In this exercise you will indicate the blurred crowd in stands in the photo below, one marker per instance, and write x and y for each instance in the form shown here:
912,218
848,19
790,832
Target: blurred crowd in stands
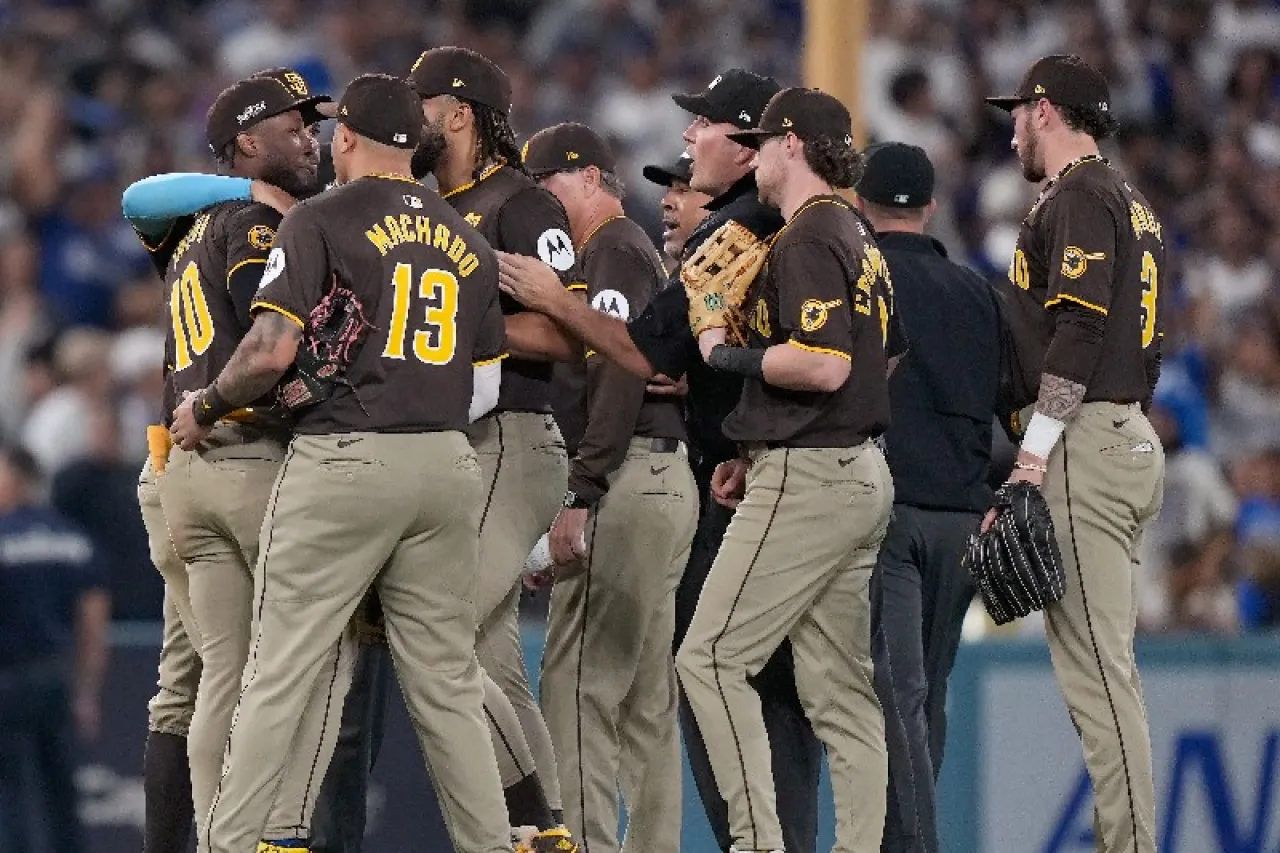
97,93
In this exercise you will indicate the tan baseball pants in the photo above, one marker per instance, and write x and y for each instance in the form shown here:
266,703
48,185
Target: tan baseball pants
525,471
1105,484
171,709
608,678
796,562
401,511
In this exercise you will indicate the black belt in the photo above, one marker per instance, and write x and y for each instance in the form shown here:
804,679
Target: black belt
664,445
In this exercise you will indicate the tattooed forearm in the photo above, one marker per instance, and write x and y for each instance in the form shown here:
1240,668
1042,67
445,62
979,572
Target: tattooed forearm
261,359
1059,398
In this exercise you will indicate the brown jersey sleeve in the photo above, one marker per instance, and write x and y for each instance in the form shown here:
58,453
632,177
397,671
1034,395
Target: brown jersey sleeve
296,276
491,341
1082,240
534,223
621,284
1082,256
251,232
813,298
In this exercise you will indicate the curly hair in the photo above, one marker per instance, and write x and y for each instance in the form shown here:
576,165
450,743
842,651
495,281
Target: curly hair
835,162
497,142
1091,120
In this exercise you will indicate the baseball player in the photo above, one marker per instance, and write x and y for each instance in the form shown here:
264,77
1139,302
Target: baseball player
214,498
402,328
659,342
943,400
683,208
1084,311
469,147
814,398
610,684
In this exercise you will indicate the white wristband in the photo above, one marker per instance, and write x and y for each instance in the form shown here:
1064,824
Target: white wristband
1042,434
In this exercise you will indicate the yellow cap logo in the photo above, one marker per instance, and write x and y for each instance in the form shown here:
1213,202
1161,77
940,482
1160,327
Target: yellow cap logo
571,155
786,122
1039,90
294,81
457,82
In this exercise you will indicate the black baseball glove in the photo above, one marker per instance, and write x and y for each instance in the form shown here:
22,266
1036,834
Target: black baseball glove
1016,564
335,329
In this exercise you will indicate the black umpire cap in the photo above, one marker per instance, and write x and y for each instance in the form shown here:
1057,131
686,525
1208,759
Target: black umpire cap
664,176
382,108
808,113
736,96
266,94
1065,80
566,147
896,175
462,73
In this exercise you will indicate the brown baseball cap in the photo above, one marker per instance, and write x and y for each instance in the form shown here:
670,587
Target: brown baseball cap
296,83
1065,80
462,73
808,113
249,101
380,107
566,147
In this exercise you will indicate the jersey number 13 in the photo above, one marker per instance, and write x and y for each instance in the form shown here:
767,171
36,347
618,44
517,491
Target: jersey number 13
434,341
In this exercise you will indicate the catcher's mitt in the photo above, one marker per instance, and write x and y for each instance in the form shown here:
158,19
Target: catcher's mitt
335,329
717,277
1016,564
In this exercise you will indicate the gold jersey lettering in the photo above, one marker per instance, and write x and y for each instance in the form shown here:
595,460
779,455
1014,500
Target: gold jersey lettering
1144,220
379,238
441,241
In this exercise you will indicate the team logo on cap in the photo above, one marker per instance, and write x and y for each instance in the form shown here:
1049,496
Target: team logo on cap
457,83
251,111
1076,260
555,249
571,155
813,313
295,82
744,116
260,237
1039,90
786,122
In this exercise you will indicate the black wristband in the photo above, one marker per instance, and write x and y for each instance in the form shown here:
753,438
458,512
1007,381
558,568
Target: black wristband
209,406
740,360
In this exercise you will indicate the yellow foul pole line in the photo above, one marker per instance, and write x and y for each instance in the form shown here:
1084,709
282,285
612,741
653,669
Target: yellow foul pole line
834,33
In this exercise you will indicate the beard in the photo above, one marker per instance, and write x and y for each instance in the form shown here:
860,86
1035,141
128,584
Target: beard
430,151
298,181
1027,155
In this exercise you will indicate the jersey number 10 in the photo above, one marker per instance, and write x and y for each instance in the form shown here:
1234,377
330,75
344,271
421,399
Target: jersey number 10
435,341
192,324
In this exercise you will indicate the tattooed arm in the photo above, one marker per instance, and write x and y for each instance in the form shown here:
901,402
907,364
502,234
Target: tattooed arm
254,369
1059,398
260,360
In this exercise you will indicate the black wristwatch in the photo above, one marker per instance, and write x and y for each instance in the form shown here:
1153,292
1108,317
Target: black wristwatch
573,501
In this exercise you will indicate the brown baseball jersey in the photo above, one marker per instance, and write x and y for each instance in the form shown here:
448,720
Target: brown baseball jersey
516,215
426,281
1084,288
211,263
825,288
623,272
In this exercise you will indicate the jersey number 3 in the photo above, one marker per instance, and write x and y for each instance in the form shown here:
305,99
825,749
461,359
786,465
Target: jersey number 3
1150,290
192,324
437,339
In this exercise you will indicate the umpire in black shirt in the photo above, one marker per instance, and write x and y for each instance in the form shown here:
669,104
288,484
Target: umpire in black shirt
942,399
658,342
